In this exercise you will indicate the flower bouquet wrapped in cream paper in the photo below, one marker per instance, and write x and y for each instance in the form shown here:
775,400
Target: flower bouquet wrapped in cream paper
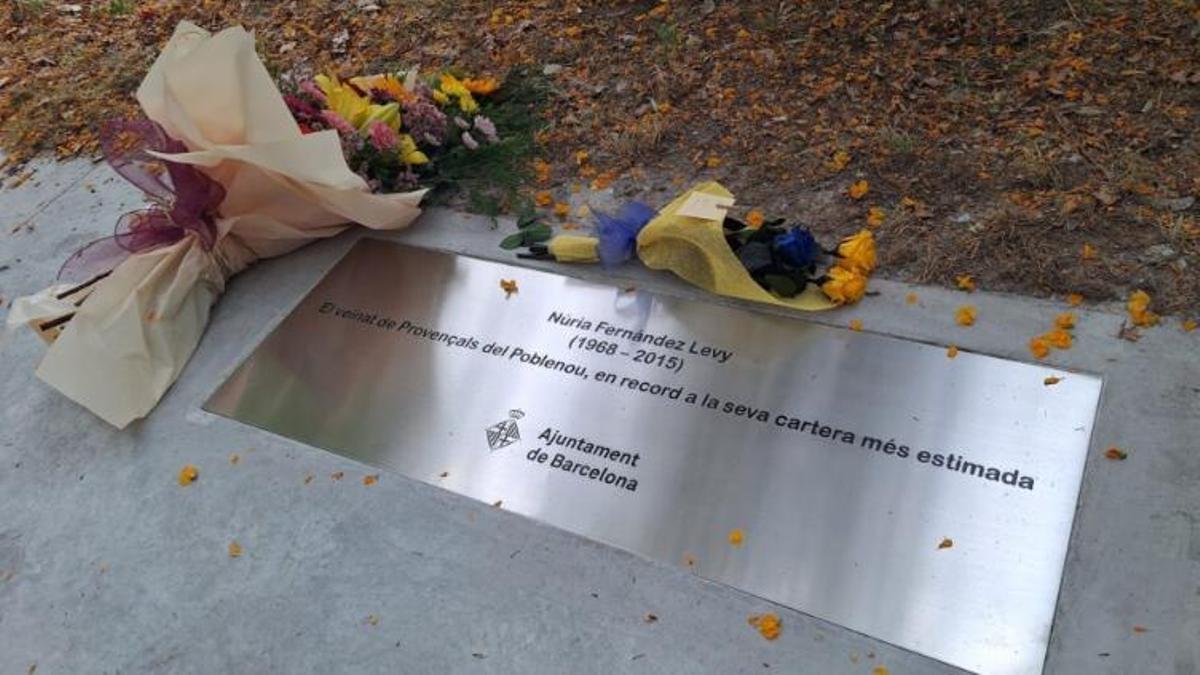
242,182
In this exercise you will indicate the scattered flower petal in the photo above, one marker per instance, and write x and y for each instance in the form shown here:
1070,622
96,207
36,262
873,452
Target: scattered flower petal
768,624
1139,309
372,619
965,316
1088,252
1115,454
1140,629
965,282
188,474
736,537
859,189
1074,299
562,209
1052,380
754,219
509,286
1189,325
911,298
543,198
1059,339
1065,321
1039,347
876,216
952,351
581,157
235,549
946,542
856,324
371,479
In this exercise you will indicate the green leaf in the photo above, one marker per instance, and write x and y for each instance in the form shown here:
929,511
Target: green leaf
782,286
513,241
537,233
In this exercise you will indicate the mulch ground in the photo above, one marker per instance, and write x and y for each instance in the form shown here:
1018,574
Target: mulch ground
998,137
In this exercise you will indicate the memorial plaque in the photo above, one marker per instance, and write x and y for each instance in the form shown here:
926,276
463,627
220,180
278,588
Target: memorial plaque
875,482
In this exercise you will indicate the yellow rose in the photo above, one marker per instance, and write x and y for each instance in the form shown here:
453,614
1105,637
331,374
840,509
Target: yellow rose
844,286
858,252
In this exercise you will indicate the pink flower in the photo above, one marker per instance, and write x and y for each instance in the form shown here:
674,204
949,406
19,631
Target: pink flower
462,124
310,88
337,122
469,141
383,137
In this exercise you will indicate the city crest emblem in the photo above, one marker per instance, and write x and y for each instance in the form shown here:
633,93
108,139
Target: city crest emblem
504,434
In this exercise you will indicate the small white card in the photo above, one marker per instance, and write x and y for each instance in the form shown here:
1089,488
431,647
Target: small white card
706,206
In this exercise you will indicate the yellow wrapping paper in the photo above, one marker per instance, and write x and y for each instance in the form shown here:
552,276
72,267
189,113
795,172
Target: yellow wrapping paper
131,338
696,251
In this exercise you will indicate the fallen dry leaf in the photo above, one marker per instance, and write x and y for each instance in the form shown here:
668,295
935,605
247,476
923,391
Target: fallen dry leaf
839,160
1128,333
946,542
1115,454
509,286
337,475
1052,380
1140,629
650,618
372,620
235,458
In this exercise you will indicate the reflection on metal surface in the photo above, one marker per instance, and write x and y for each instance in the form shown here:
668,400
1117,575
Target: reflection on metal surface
661,425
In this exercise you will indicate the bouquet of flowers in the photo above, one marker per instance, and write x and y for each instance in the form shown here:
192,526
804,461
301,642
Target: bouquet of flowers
235,171
765,261
400,132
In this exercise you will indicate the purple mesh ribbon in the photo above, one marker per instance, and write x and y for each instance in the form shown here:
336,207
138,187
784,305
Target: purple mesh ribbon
184,200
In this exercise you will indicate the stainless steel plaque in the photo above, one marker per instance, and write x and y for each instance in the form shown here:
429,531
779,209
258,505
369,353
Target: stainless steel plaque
849,462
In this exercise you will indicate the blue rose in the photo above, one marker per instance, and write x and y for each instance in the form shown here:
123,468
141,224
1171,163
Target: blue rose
796,248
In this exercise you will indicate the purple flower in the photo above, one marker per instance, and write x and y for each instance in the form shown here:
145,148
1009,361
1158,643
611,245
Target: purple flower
470,141
462,124
487,128
423,120
383,137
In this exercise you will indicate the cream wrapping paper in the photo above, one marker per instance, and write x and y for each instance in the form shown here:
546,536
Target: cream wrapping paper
130,339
